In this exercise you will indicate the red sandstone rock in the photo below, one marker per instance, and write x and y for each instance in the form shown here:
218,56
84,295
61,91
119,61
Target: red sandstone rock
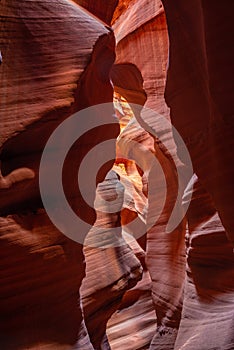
200,94
111,266
48,71
207,318
133,325
41,271
141,34
102,9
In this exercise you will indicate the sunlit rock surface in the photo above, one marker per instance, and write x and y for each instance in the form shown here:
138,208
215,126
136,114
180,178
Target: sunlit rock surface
142,41
133,326
111,266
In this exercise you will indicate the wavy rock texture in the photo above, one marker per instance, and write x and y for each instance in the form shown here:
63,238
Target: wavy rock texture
53,78
121,269
137,144
56,88
135,154
56,59
141,35
48,71
133,325
165,253
41,271
207,318
200,96
109,257
197,87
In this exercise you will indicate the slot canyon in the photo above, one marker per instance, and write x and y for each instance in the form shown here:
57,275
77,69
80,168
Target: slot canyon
116,175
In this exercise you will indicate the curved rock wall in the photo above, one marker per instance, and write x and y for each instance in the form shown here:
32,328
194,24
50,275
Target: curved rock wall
141,34
47,73
109,257
207,318
199,94
57,58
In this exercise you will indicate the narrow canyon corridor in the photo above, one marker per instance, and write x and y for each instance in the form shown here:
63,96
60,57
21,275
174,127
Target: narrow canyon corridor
116,175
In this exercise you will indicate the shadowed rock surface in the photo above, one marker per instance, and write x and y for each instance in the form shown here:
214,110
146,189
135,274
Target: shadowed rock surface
102,9
48,72
207,318
200,96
